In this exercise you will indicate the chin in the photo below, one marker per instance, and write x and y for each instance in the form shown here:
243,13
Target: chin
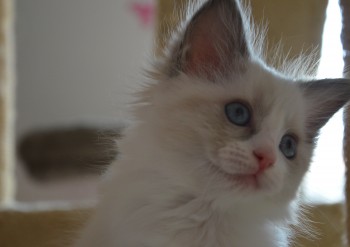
229,195
252,204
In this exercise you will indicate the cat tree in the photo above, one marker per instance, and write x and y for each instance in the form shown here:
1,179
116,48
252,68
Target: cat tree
6,103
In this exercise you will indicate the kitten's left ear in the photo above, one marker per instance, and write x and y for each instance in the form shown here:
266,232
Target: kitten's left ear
324,99
214,41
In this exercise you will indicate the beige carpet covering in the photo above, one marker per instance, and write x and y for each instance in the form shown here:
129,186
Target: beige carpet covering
6,102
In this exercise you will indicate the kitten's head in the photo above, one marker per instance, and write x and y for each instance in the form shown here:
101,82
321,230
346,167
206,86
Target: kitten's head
249,130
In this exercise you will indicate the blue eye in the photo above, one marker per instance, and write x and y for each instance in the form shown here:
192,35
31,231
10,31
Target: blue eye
237,113
288,146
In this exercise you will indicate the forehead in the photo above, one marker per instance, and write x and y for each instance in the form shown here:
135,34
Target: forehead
274,100
271,99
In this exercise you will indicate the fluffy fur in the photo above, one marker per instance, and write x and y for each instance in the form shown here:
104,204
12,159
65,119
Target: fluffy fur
187,176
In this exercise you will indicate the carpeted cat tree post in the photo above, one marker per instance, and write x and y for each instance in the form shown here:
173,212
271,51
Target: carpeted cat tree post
6,103
345,36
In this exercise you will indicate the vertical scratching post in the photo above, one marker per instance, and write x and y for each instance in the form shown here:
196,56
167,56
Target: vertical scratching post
6,102
345,36
167,20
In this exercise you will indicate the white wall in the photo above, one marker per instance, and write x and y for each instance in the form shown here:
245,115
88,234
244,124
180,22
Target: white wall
77,59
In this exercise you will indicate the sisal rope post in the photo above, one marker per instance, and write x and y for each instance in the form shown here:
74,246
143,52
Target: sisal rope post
167,20
6,102
345,37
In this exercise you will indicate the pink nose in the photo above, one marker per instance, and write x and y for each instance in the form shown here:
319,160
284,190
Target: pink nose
265,159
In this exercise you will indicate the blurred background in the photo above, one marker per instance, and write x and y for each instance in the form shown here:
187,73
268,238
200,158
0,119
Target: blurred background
78,61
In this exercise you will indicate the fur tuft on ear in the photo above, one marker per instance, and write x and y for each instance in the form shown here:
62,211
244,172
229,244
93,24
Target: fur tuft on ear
324,98
214,41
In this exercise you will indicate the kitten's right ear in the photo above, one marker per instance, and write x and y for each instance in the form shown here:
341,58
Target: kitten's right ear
214,41
323,98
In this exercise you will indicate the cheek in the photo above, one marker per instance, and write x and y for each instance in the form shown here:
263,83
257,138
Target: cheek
224,141
213,130
235,158
286,176
193,132
299,168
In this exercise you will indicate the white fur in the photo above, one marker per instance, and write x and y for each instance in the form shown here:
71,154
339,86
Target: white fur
161,192
172,184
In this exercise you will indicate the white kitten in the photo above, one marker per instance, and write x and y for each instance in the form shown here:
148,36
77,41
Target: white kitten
219,148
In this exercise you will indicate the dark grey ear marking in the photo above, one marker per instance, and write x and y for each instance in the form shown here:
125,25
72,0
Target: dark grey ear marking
325,97
214,40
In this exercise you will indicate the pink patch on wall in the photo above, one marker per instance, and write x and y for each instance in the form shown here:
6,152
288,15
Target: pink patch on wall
145,12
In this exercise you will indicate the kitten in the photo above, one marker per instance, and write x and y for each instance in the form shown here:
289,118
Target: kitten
219,148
